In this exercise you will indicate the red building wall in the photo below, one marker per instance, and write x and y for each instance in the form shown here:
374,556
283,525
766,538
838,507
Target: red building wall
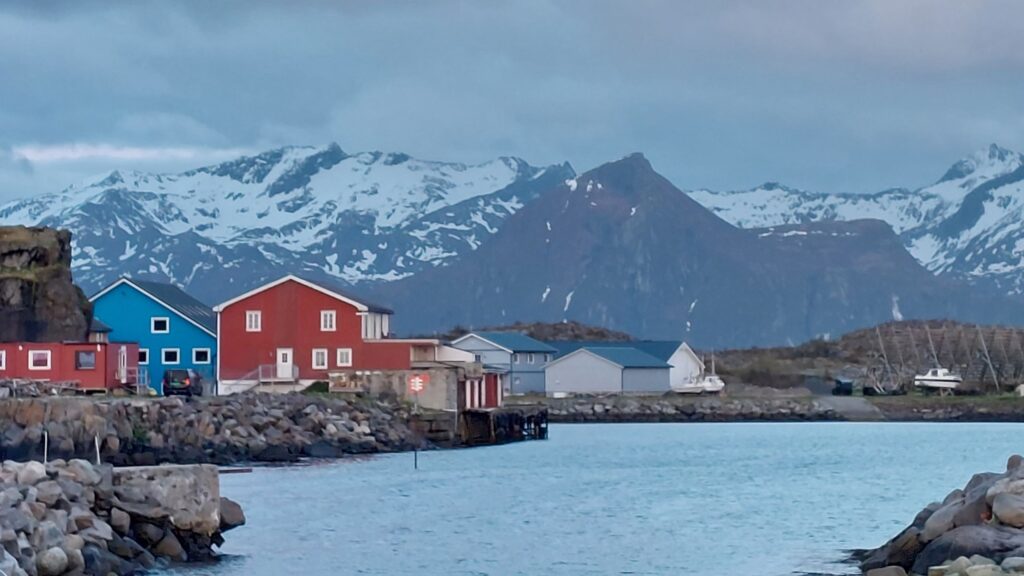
291,319
62,363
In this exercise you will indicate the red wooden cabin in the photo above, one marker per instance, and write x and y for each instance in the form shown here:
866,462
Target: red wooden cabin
91,366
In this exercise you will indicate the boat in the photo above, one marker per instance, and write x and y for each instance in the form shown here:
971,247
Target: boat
703,384
939,379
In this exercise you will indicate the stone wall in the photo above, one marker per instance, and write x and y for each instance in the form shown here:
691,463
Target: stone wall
676,408
38,300
223,430
77,518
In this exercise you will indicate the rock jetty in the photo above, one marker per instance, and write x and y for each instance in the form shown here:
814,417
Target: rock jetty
76,518
219,430
675,408
977,530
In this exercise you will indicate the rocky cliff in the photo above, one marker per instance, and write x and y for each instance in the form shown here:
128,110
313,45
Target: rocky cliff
38,300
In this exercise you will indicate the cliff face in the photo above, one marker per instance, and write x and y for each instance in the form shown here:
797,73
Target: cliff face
38,300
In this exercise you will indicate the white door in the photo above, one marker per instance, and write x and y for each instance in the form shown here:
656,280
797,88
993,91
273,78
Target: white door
122,364
284,363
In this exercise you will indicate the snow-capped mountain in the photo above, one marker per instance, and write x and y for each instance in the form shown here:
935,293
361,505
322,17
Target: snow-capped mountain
969,224
320,211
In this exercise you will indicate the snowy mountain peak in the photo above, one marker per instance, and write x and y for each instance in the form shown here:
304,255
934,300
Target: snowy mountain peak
985,163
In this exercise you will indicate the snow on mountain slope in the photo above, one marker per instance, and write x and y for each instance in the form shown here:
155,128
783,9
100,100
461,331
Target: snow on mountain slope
361,217
969,224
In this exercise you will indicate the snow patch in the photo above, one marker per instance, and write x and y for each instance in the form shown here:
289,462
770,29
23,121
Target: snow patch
568,301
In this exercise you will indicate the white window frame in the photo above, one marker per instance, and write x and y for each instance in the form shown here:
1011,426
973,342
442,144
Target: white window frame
253,320
163,356
146,363
325,363
328,321
3,359
152,325
49,360
337,357
209,355
529,358
515,358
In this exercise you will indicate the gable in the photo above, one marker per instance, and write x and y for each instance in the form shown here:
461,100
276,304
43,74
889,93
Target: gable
323,288
472,342
168,299
128,313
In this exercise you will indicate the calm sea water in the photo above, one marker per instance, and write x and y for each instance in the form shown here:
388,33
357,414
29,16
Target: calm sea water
695,499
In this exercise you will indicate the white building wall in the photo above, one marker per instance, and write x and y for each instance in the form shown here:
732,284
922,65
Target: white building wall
583,373
686,366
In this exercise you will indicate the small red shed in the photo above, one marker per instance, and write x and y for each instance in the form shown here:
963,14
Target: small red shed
89,365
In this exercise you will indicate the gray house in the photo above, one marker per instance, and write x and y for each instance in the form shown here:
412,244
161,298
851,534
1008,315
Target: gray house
617,370
518,359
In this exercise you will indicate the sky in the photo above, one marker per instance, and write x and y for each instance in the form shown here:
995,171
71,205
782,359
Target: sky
853,96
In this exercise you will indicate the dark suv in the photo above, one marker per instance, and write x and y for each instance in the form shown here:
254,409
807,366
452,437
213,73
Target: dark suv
182,382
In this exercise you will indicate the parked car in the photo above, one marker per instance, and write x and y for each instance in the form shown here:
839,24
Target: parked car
182,382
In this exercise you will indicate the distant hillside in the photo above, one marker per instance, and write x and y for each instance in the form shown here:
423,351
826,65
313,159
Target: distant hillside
547,332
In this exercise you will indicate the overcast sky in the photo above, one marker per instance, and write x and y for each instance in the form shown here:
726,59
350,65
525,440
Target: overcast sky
839,96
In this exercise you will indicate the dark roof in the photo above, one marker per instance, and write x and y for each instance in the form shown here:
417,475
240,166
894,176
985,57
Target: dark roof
179,301
344,291
628,357
98,327
660,349
516,342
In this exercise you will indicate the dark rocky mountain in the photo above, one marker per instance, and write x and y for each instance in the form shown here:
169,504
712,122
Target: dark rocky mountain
545,331
38,301
621,247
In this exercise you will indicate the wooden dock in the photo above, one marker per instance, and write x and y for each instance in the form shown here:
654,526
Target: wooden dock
483,427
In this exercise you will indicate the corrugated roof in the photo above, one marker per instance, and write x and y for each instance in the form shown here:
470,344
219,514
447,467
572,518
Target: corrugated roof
660,349
628,357
343,291
99,327
182,303
516,342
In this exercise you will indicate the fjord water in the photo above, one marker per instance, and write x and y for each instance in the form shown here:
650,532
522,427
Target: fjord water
695,499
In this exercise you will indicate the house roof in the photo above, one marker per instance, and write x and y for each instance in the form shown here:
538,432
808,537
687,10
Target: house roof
513,342
660,349
328,287
621,356
174,298
628,357
98,327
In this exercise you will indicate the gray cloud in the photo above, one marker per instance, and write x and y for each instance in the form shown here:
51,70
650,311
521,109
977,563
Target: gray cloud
851,96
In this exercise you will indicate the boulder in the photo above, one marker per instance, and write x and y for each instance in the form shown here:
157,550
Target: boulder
120,521
887,571
52,562
1009,509
170,547
1013,564
990,541
941,521
31,473
231,514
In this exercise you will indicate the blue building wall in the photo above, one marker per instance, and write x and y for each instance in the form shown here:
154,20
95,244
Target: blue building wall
129,313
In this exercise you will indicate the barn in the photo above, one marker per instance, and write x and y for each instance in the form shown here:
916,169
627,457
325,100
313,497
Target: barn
607,370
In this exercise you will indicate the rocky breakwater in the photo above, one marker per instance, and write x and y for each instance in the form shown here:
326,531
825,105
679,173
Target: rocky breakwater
977,530
675,408
76,518
220,430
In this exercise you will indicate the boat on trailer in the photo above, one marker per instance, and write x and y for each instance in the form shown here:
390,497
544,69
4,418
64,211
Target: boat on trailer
941,379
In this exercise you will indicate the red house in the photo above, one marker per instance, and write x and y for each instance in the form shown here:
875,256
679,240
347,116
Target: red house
294,331
90,366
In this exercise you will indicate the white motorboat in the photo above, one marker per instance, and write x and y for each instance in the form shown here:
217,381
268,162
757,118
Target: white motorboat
938,379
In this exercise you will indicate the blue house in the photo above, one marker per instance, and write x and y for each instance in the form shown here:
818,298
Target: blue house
173,329
517,358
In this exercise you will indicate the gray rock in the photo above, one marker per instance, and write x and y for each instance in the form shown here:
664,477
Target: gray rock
76,562
73,542
120,521
98,533
147,533
84,472
52,562
31,473
47,535
941,521
48,492
1013,564
887,571
170,547
231,514
1009,509
990,541
7,563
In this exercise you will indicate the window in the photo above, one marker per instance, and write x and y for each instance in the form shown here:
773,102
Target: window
320,358
39,360
529,358
515,358
170,356
253,321
85,360
159,325
143,356
200,355
476,358
344,357
3,359
327,320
